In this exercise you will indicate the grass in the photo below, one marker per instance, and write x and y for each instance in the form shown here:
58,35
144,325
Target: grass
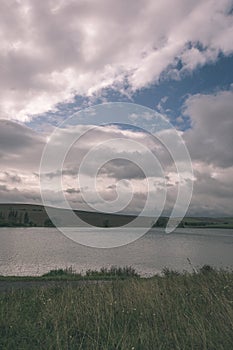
68,274
173,311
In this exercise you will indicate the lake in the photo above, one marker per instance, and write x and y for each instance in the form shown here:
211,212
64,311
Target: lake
34,251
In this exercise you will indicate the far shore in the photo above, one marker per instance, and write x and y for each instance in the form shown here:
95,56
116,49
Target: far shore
34,215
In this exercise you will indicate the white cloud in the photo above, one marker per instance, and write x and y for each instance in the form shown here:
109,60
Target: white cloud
52,50
194,57
210,138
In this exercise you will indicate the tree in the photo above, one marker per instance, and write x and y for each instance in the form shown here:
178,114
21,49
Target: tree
106,223
26,218
161,222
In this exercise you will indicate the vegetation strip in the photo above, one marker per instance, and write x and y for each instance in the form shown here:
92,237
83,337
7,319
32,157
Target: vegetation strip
172,311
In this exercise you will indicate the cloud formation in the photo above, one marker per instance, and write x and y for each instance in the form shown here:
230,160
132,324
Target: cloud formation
51,51
209,141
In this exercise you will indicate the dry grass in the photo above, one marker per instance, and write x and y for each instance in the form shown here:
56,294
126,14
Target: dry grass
187,311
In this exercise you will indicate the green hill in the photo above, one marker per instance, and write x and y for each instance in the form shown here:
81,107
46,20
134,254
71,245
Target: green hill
24,215
21,215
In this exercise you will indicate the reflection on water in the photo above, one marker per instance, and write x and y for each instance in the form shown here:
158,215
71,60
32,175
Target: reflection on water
34,251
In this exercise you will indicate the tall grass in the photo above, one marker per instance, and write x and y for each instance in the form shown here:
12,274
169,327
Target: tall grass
174,311
68,274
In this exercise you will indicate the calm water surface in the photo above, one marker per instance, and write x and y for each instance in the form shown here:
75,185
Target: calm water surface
34,251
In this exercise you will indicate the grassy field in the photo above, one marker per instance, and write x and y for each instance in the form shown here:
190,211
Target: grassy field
173,311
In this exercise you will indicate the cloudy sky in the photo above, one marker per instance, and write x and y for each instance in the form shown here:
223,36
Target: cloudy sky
58,57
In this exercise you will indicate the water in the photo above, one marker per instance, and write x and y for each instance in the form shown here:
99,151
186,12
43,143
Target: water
34,251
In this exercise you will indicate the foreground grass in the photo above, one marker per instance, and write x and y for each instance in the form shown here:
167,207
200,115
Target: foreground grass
188,311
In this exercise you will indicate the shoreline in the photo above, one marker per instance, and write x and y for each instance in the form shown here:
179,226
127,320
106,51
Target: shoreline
69,276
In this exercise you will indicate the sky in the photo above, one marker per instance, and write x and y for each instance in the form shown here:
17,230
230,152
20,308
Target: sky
59,57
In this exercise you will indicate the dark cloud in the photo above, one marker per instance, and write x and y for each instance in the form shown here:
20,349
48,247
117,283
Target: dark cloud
15,195
212,187
72,191
12,178
14,136
210,139
209,142
64,172
121,169
3,188
20,147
